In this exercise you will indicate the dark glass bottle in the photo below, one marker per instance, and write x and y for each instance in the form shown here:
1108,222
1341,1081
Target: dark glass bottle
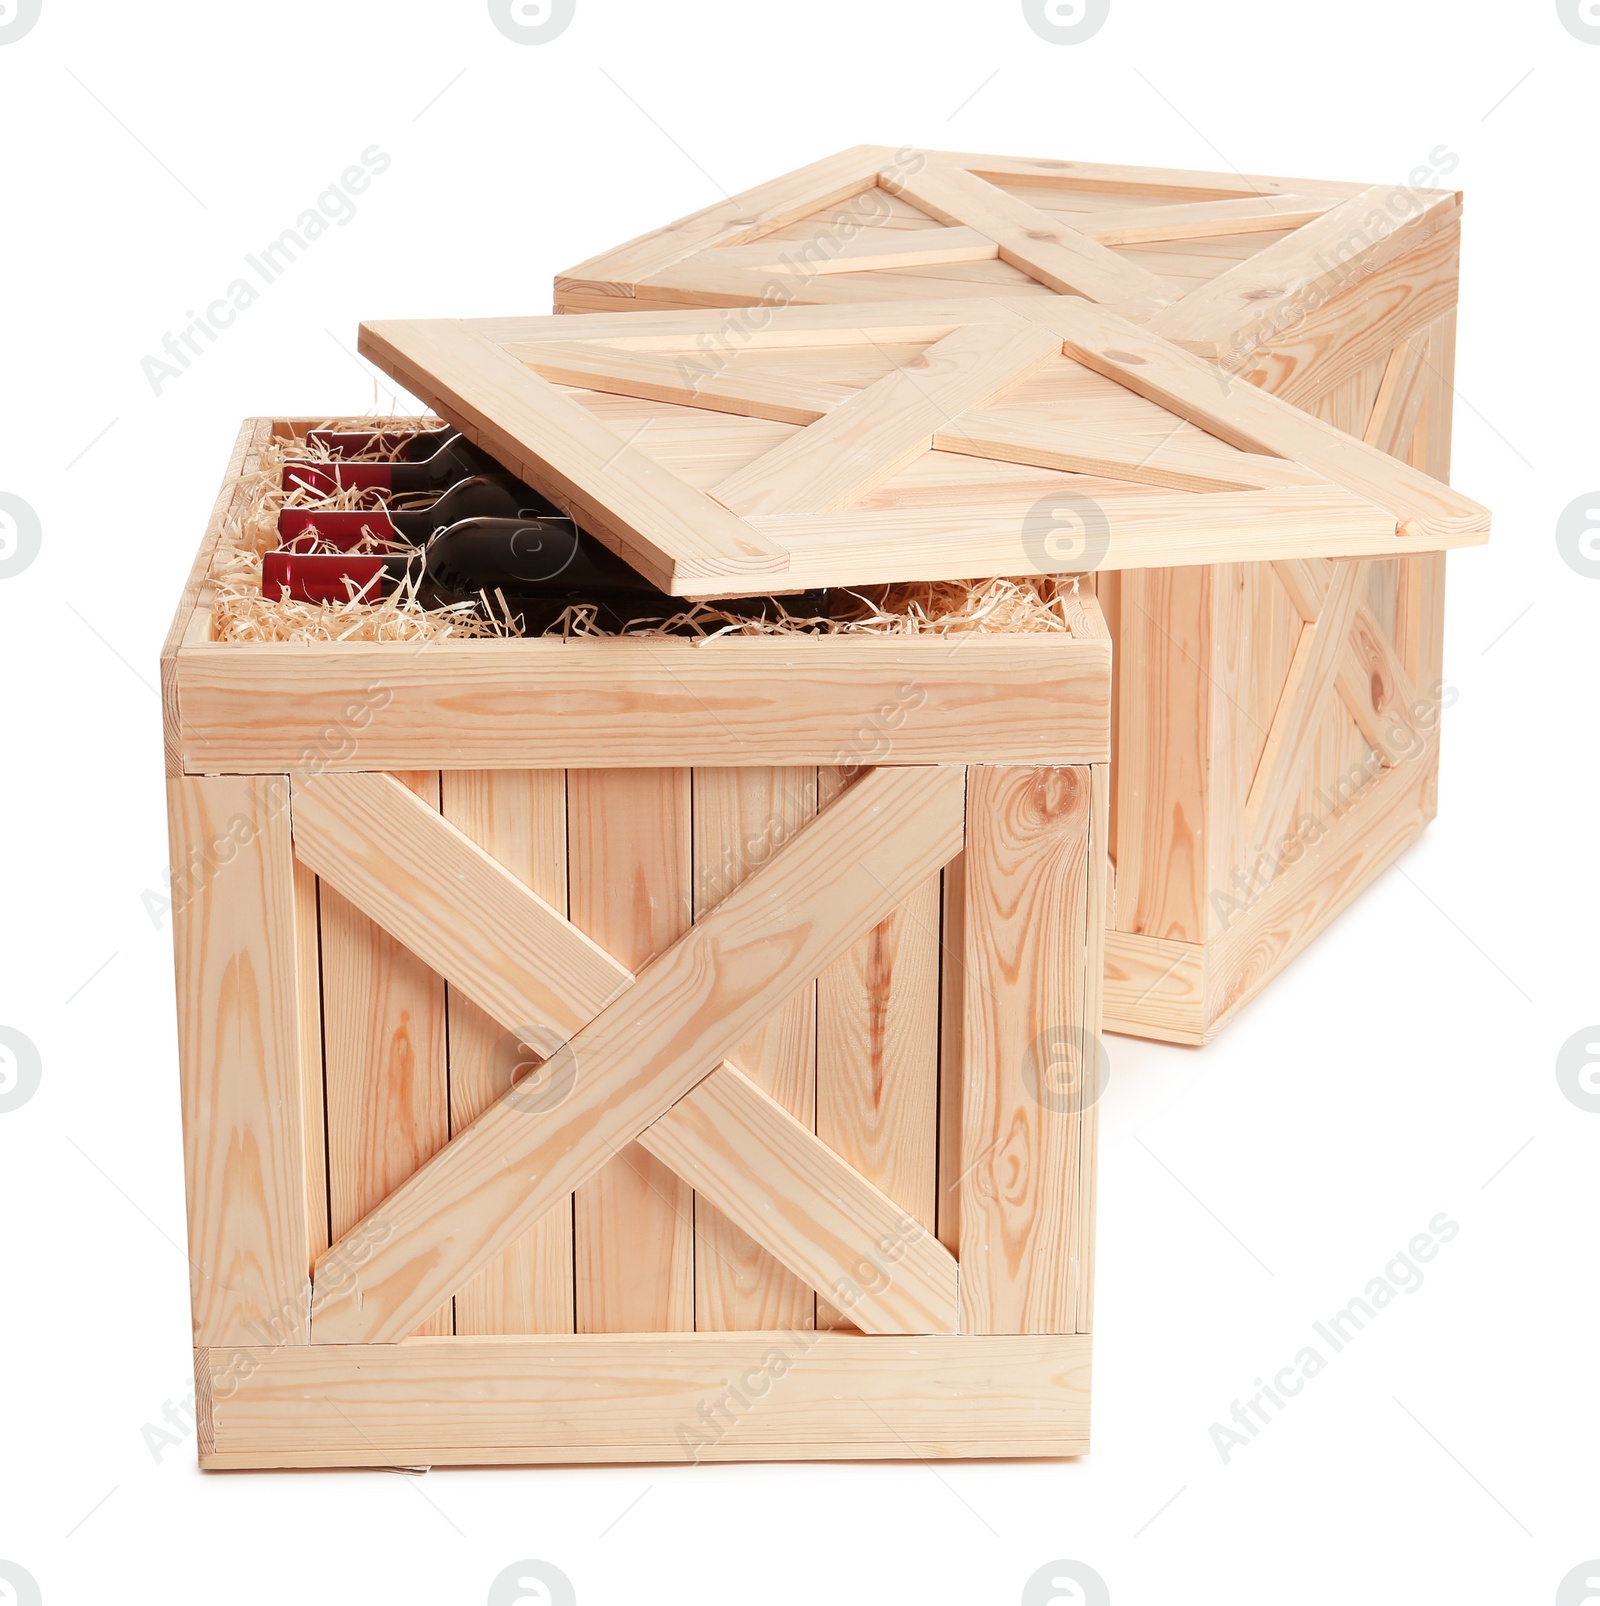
494,496
538,567
456,459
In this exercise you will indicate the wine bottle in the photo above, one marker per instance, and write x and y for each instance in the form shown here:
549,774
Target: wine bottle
551,561
496,496
457,459
539,567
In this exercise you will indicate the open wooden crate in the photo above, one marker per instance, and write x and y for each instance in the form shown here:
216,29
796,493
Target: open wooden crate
637,1050
1337,297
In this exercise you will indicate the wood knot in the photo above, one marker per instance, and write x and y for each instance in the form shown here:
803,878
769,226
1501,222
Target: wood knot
1056,795
1043,234
1131,357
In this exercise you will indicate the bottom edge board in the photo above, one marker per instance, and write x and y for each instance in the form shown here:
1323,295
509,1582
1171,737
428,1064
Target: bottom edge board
1154,988
1298,907
643,1398
623,1454
1187,993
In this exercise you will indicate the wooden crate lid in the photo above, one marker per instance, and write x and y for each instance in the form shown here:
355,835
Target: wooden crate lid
1220,262
780,448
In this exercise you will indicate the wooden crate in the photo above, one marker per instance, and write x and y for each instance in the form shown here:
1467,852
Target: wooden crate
1337,297
636,1050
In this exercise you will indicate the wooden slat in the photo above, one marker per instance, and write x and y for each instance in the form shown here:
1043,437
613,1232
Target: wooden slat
630,868
874,434
1154,182
240,942
1155,988
878,1021
1166,767
313,1100
703,283
923,536
253,434
1027,1000
1251,214
694,1397
1371,678
1270,808
1431,450
1282,736
1042,245
420,878
1362,325
957,278
1106,599
952,1049
773,1178
518,817
688,379
870,249
1373,684
384,1057
741,818
1316,261
1250,634
678,332
1016,436
1252,421
1359,845
525,704
1420,605
1400,397
714,984
647,515
740,218
1101,900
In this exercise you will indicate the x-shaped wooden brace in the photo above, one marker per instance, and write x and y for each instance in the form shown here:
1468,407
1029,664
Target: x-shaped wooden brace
645,1057
1342,647
730,252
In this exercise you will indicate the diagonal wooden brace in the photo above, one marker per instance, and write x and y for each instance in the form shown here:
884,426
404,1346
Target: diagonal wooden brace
826,1222
1039,243
1372,681
1296,726
431,886
1253,421
880,430
640,1054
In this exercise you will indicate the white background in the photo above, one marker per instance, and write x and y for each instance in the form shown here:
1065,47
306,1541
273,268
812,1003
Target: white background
1404,1067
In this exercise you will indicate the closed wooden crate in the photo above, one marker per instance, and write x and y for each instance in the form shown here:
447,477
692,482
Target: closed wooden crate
636,1050
1338,297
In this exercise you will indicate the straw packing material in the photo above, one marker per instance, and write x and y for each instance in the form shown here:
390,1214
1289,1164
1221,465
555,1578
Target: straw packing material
241,613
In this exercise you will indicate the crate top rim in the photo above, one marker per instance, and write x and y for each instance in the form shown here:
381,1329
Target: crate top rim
188,637
604,650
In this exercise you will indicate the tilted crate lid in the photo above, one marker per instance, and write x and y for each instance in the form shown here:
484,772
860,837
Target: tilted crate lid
771,449
1223,263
